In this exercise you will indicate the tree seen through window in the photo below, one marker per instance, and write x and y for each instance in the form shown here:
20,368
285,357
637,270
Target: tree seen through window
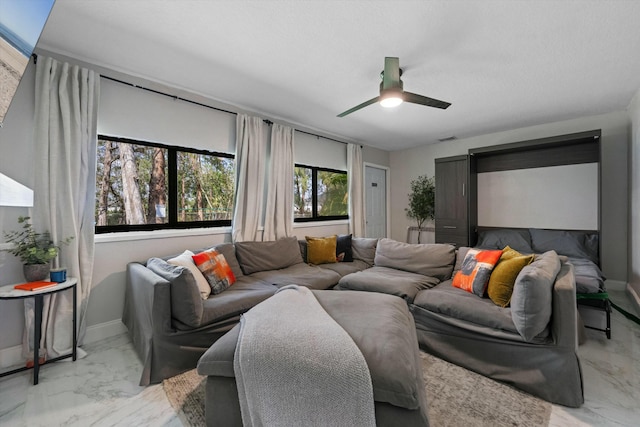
320,193
148,185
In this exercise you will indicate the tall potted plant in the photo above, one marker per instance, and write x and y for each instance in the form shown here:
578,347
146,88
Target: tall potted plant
422,201
35,250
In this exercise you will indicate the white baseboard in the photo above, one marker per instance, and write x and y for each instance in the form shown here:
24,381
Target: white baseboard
103,331
615,285
12,356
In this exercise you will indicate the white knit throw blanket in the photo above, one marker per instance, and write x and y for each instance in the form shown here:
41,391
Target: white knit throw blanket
294,366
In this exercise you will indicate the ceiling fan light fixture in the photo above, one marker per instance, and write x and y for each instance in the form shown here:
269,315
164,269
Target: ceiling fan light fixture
391,97
392,93
391,101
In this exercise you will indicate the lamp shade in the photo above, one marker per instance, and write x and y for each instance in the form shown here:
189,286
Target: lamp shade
12,193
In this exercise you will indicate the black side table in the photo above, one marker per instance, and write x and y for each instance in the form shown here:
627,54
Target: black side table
9,293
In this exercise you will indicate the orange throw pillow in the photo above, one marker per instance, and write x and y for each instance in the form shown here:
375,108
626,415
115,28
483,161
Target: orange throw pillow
475,271
215,269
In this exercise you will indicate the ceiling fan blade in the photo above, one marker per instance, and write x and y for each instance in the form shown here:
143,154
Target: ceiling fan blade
391,75
356,108
423,100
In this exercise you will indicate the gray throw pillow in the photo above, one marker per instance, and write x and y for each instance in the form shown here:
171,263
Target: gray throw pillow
531,301
303,249
364,249
186,303
265,256
576,244
229,253
433,260
517,239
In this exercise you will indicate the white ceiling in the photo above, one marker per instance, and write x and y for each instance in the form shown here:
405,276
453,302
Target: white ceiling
502,64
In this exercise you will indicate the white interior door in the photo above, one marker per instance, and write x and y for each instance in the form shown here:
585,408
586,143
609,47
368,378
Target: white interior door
376,201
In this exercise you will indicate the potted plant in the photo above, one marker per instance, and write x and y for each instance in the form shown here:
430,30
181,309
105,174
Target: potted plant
35,250
422,200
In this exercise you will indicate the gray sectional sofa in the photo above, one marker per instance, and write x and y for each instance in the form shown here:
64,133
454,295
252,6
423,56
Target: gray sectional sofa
531,345
171,326
533,349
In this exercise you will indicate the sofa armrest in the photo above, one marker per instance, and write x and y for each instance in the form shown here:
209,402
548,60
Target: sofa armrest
564,319
147,311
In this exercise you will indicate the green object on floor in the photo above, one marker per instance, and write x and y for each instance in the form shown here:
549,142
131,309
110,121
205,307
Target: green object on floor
604,296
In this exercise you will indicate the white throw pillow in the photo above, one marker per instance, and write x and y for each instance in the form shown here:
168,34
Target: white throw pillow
185,260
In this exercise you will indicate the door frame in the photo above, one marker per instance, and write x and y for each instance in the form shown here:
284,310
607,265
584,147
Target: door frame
387,172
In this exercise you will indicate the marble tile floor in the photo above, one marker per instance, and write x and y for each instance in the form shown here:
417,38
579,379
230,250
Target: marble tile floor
102,389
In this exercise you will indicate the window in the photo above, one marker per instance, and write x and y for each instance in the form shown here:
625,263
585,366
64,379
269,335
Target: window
143,186
319,194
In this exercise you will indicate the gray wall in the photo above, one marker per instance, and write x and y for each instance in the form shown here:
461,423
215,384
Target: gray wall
634,198
375,156
406,165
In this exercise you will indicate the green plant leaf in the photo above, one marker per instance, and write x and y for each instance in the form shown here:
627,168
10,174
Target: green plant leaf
422,199
32,247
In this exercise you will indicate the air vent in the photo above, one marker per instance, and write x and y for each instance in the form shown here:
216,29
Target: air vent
449,138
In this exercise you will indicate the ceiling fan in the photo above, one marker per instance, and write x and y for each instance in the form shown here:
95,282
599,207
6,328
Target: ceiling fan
391,92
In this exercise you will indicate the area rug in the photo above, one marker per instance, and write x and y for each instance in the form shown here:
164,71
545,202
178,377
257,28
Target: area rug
455,396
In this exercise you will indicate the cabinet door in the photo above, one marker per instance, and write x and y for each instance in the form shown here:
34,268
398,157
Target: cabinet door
451,180
451,211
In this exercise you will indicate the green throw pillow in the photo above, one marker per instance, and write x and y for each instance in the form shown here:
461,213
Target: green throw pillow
504,275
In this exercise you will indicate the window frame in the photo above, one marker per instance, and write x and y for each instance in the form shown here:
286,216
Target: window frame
172,191
314,195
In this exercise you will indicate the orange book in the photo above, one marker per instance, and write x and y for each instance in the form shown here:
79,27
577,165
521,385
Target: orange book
34,286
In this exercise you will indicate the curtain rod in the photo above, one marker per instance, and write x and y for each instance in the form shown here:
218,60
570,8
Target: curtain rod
177,98
174,97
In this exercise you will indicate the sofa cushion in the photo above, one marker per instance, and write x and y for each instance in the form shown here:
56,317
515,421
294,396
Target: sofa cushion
434,260
186,260
263,256
215,269
458,304
382,327
321,250
243,295
531,302
576,244
364,249
403,284
504,275
301,274
344,250
229,252
344,268
186,302
518,239
475,271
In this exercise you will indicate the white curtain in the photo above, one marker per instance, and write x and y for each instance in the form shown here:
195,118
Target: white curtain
65,135
250,160
278,218
356,192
